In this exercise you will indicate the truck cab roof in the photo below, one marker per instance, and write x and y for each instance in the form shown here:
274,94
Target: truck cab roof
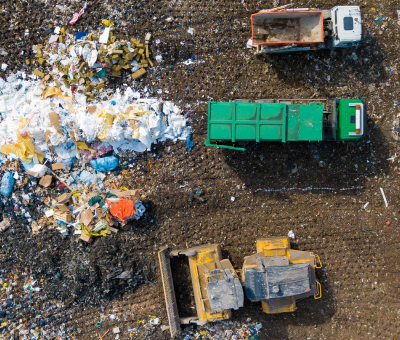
348,23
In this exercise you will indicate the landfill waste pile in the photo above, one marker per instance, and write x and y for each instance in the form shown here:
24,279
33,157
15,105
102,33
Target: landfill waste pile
39,124
83,63
248,330
49,121
33,113
82,145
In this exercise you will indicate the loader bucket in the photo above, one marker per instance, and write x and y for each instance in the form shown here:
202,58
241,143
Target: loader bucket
169,292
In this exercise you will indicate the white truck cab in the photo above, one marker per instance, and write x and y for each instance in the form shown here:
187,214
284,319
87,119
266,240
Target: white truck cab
346,26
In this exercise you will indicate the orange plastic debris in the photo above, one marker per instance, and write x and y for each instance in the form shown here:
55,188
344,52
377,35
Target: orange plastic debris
121,207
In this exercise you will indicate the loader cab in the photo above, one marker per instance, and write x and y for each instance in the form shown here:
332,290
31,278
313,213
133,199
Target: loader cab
346,26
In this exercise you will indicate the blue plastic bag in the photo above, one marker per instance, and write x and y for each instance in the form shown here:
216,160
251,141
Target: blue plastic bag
66,161
87,177
7,183
27,166
189,143
105,163
81,35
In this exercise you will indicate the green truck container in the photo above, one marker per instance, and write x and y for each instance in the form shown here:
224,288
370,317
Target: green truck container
284,120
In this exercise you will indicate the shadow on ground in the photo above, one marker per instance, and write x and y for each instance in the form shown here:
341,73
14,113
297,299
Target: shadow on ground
319,165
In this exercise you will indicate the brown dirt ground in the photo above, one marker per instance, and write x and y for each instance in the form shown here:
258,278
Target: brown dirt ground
357,248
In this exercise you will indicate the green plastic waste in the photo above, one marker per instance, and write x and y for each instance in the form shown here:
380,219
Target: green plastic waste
254,337
96,199
100,74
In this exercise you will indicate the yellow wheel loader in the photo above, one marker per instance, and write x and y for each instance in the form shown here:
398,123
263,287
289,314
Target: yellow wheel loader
279,276
217,288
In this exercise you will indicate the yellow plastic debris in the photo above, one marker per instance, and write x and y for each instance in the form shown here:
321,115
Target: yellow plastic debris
106,22
133,115
50,92
83,146
103,232
38,73
24,149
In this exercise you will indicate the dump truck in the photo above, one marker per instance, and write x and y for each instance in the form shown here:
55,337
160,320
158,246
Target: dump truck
284,120
279,276
216,285
302,29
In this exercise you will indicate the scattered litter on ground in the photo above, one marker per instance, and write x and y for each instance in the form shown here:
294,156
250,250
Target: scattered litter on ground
355,187
384,198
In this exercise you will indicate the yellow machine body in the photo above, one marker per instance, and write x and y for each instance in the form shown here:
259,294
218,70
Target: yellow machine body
209,274
276,252
200,265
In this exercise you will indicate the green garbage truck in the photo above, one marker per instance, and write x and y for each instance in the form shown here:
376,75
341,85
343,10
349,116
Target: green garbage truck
284,120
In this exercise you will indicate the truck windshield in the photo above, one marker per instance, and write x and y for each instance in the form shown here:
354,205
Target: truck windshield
348,23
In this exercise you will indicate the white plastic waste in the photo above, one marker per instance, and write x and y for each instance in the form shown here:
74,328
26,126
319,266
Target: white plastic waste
291,235
126,120
104,37
39,169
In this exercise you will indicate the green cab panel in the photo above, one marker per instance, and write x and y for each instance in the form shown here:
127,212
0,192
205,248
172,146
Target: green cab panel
346,127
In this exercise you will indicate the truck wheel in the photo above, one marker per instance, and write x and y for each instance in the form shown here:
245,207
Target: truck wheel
265,101
241,101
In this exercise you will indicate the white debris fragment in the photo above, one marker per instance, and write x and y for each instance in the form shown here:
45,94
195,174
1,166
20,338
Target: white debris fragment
384,198
53,38
232,199
4,67
154,322
249,43
49,213
190,30
191,61
291,235
365,205
5,224
104,37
